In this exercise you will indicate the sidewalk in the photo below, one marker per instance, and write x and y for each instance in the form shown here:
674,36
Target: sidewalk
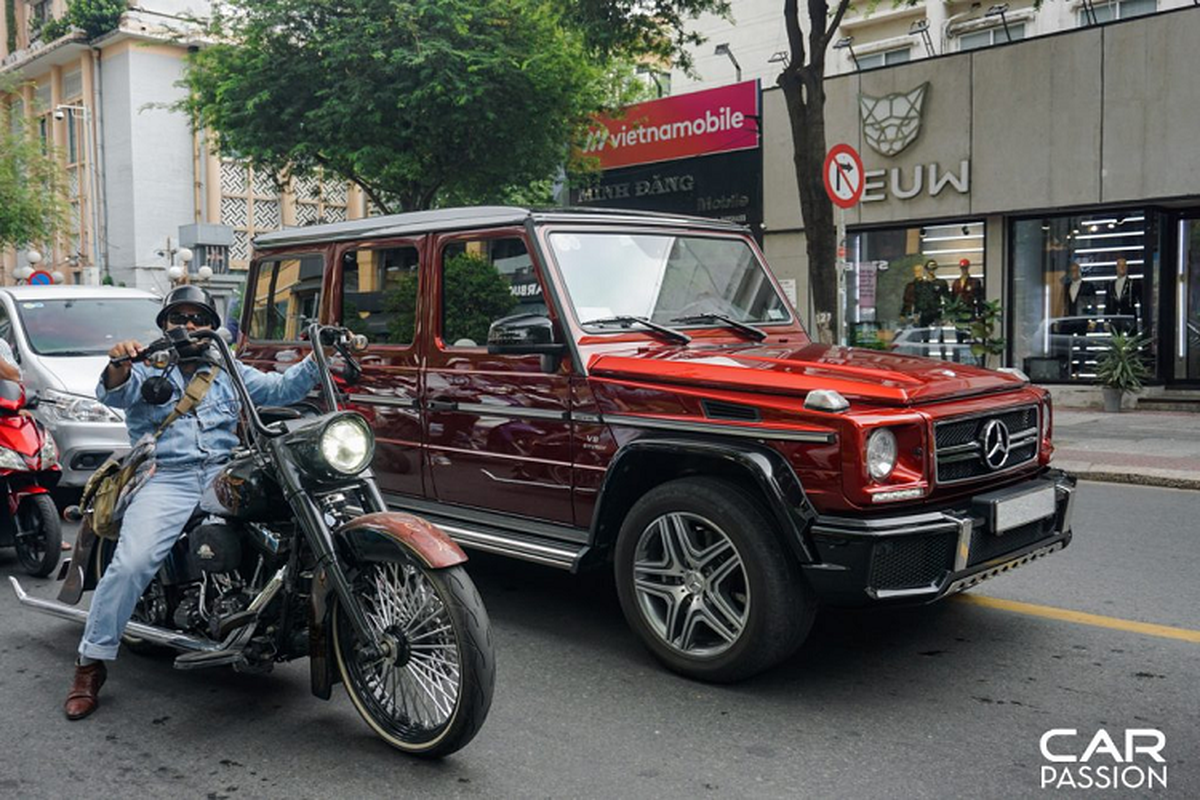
1152,448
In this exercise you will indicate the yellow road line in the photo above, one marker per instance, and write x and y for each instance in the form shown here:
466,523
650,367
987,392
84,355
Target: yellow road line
1080,618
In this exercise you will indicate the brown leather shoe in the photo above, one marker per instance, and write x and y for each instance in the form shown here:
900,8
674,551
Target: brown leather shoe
85,690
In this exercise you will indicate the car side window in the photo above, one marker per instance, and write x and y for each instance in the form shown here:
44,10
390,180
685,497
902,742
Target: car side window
484,280
379,293
285,296
6,332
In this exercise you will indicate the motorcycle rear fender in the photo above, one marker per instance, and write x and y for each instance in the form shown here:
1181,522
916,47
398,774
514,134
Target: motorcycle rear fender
381,536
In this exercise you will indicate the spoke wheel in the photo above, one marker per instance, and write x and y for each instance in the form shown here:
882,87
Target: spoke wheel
39,535
430,690
706,582
691,584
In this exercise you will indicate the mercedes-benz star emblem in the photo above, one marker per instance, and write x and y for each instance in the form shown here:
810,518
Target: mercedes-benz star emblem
995,444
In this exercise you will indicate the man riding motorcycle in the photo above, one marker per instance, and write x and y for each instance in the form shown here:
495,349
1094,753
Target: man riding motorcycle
188,455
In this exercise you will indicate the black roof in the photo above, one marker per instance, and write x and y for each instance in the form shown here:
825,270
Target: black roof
415,222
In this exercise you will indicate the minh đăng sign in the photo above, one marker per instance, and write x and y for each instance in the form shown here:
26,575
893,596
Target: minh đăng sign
720,120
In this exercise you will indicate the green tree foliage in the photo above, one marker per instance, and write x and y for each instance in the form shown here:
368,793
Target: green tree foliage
32,190
96,17
410,99
642,30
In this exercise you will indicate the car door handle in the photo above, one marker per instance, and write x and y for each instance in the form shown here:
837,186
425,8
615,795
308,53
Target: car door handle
442,405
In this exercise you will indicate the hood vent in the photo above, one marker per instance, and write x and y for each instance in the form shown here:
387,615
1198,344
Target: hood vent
716,409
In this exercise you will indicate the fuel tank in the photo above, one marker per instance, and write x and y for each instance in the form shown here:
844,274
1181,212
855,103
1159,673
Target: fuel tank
244,490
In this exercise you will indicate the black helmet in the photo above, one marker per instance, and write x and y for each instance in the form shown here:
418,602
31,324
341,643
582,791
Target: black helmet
189,295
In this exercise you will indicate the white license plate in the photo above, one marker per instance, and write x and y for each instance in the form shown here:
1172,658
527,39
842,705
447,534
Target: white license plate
1016,511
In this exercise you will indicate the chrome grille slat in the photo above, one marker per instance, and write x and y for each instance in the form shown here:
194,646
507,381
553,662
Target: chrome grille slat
958,451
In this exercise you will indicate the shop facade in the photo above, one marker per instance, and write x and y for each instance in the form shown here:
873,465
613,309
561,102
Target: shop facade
697,154
1057,176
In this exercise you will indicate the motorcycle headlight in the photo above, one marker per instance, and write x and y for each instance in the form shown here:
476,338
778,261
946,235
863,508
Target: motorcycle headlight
881,453
347,445
63,407
49,452
11,459
335,447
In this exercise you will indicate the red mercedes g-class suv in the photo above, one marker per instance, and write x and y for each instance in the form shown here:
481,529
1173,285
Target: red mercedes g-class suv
581,388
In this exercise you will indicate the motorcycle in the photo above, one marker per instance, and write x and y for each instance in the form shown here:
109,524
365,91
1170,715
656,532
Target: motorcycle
28,471
292,553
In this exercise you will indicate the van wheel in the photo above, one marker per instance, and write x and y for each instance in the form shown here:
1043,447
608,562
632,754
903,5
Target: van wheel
706,583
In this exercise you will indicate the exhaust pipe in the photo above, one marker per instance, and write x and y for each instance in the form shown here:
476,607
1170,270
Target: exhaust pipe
152,634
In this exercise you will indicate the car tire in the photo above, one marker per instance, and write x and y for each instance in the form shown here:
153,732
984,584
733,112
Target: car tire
706,583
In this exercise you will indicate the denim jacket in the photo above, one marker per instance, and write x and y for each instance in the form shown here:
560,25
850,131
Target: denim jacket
209,432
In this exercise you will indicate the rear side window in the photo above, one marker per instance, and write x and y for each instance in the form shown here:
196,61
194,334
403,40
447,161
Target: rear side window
285,297
482,281
379,294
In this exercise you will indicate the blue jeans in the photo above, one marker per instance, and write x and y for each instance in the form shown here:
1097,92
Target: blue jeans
153,521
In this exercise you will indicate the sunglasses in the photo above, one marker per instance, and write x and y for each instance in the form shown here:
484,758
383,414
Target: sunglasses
200,320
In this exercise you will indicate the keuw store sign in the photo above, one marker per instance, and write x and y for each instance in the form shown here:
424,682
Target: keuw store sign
720,120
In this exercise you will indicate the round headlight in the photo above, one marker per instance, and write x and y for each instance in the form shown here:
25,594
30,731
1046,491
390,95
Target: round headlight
347,445
881,453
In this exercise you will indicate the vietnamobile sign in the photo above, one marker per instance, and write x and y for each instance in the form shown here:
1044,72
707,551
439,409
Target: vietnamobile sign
717,120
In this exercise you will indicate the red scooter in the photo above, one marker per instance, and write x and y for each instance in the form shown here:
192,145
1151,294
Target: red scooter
28,470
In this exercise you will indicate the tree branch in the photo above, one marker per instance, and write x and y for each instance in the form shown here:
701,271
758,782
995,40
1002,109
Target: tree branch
791,21
843,5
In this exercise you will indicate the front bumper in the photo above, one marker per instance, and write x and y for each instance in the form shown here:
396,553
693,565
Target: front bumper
83,446
924,557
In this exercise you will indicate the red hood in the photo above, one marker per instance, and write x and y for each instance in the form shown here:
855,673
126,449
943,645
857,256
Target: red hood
867,375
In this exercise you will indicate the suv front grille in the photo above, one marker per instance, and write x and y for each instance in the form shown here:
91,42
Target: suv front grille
959,449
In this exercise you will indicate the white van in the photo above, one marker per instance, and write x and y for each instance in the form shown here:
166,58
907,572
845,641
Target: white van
61,336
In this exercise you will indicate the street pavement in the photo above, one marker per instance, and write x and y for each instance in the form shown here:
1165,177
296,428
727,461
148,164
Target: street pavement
1152,448
940,701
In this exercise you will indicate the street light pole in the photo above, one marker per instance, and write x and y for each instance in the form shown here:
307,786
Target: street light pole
85,114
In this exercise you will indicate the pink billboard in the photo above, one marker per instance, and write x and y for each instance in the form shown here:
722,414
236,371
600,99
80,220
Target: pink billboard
717,120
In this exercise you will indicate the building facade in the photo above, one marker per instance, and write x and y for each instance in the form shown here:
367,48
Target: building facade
1054,174
143,186
890,34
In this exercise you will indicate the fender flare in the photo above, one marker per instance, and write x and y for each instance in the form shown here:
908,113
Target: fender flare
788,505
379,536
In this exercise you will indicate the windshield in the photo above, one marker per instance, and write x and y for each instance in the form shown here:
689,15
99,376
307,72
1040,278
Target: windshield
663,277
87,326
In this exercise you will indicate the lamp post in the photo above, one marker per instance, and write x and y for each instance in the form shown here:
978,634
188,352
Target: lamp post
845,43
999,11
723,50
85,114
176,272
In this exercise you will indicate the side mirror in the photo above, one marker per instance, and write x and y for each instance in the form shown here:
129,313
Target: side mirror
526,334
33,401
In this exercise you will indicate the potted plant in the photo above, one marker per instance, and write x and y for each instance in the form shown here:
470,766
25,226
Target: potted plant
1121,368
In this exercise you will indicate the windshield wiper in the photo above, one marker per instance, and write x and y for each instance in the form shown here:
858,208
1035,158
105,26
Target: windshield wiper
626,320
758,334
74,353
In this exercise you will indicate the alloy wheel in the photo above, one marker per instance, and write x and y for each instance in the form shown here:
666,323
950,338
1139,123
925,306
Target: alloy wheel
691,584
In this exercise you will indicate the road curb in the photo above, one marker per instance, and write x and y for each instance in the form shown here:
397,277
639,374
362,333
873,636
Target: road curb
1102,475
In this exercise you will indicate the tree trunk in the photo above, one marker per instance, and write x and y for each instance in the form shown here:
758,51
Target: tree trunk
804,91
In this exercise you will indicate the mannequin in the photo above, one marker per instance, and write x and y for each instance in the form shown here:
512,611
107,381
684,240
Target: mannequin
967,290
1120,298
1079,296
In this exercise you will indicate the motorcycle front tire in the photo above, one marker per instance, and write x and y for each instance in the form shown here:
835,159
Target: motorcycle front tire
431,695
39,552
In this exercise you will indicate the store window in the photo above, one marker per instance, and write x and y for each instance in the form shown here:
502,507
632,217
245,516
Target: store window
991,36
884,59
903,286
1076,280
